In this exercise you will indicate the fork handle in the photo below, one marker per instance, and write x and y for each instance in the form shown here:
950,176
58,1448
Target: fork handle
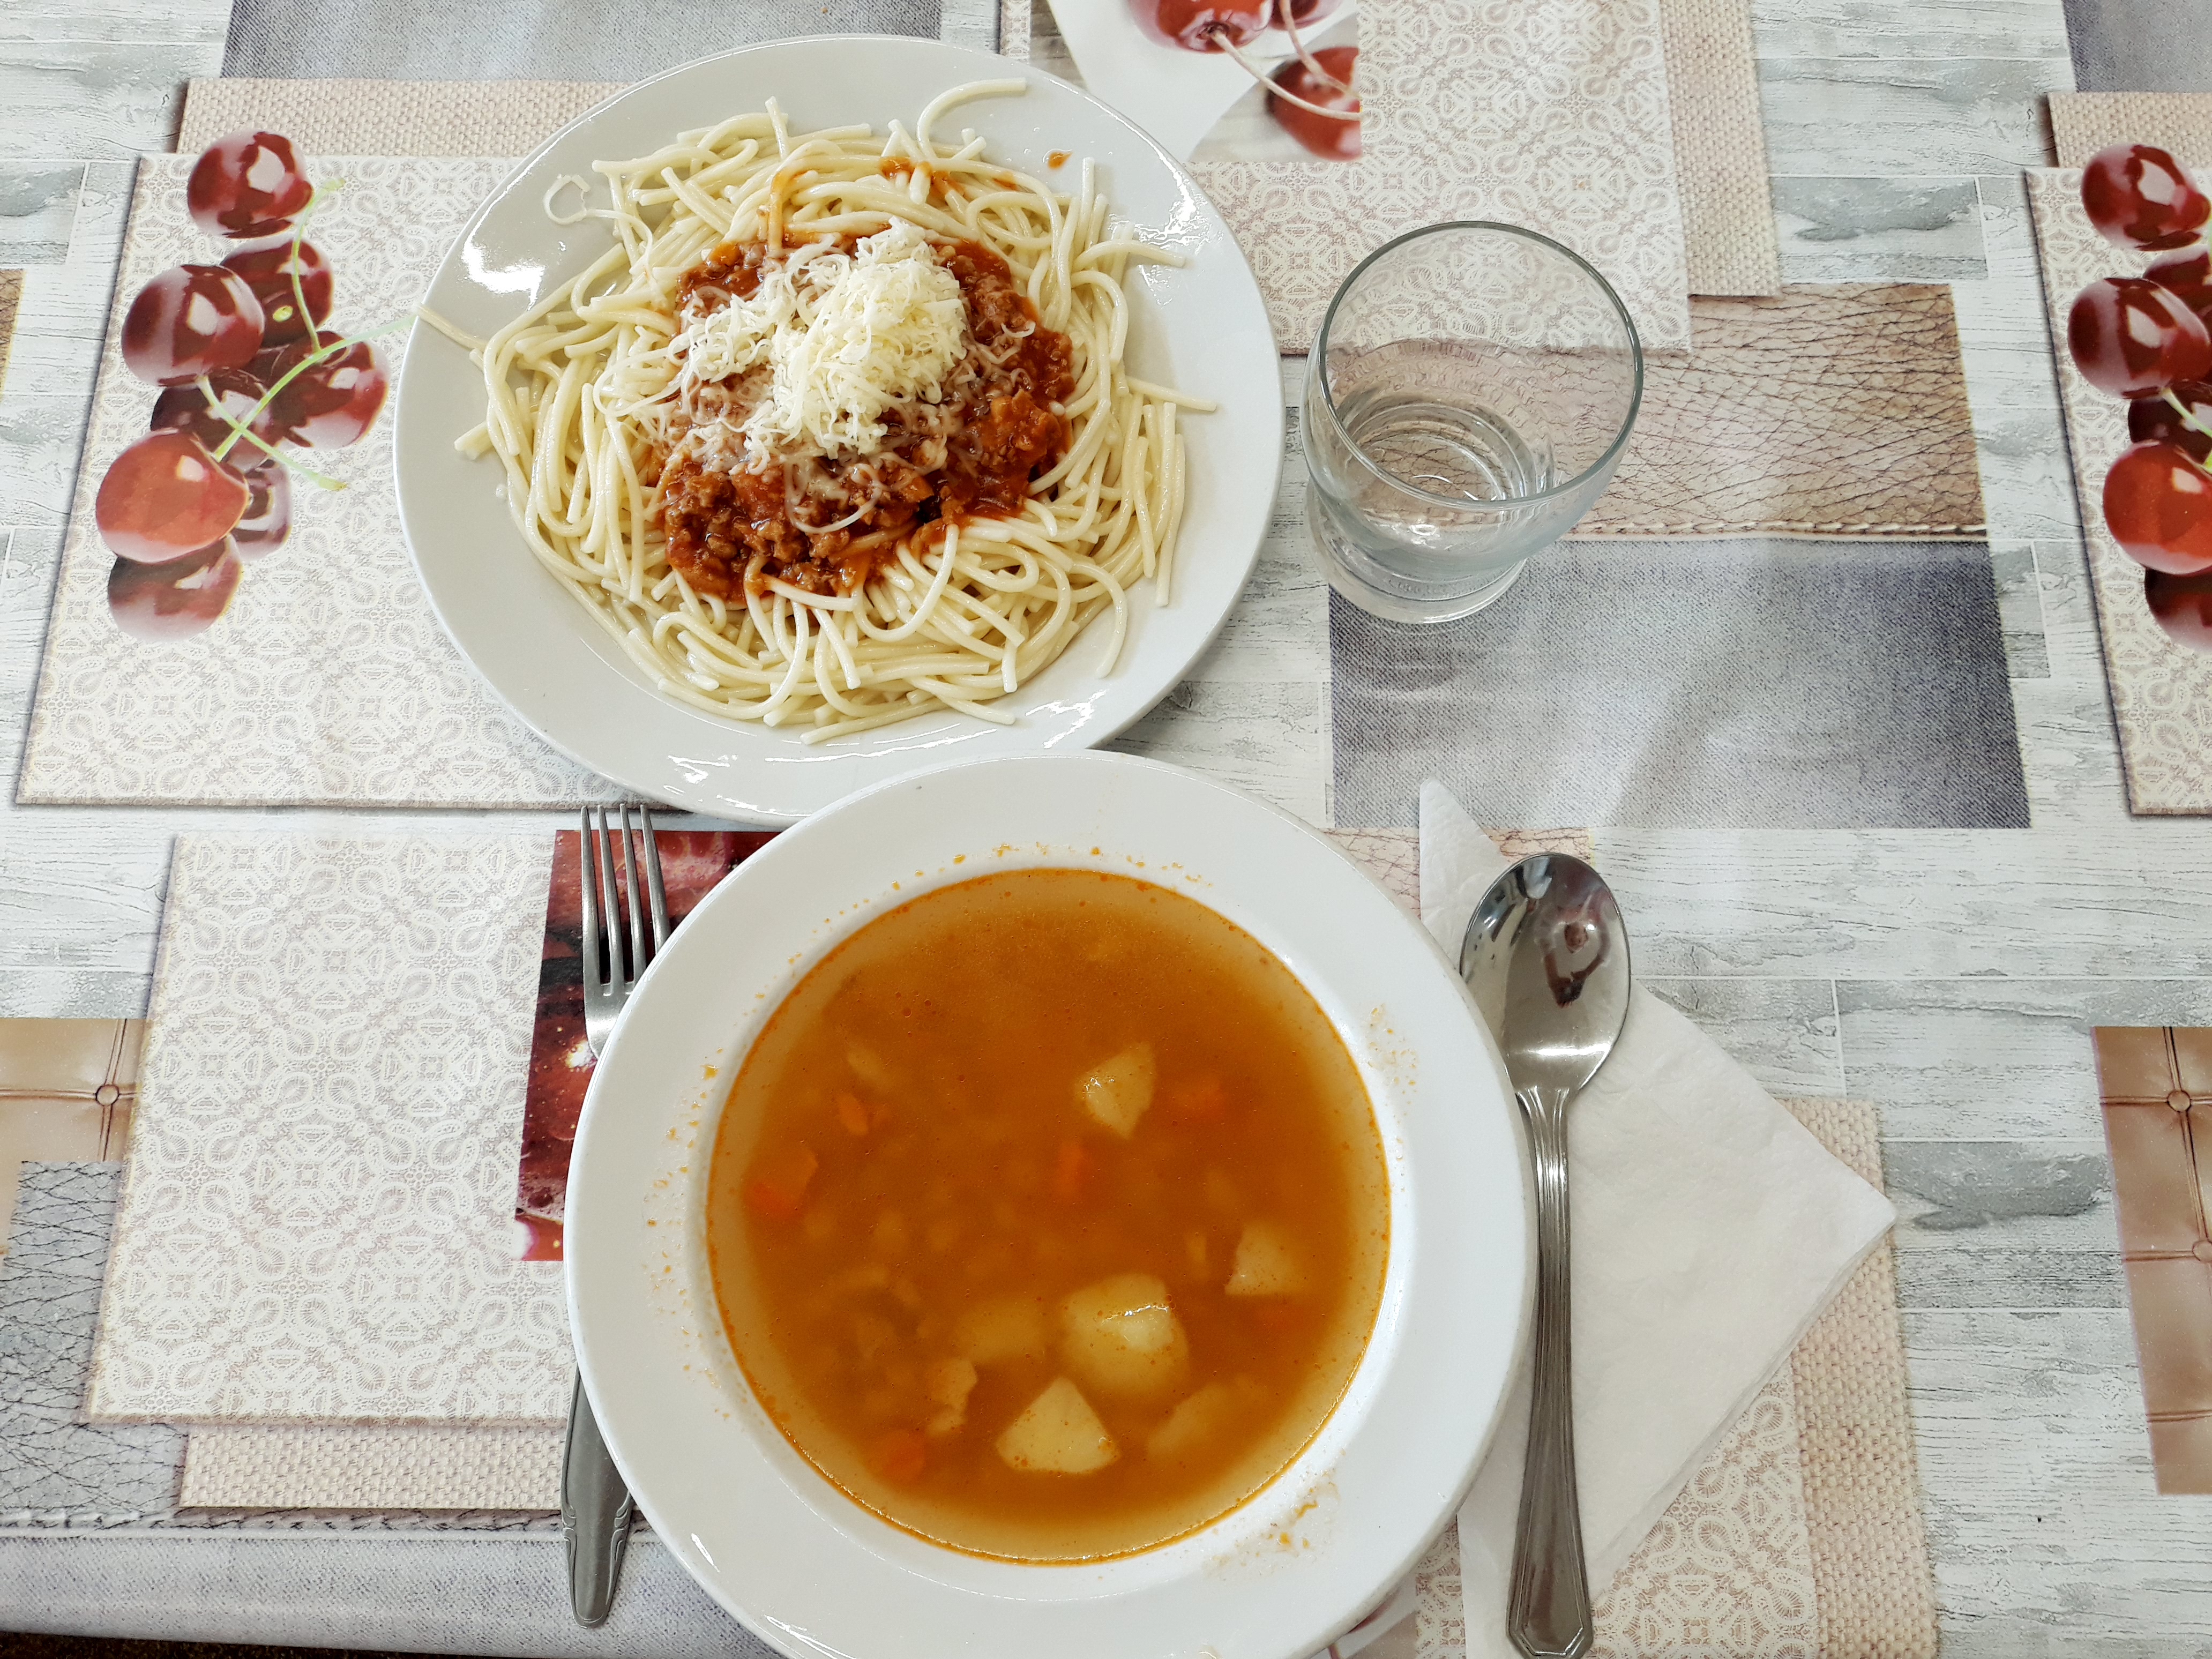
1548,1613
596,1511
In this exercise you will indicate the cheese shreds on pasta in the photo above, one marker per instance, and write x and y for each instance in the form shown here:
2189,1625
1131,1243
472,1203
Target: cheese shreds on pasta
793,347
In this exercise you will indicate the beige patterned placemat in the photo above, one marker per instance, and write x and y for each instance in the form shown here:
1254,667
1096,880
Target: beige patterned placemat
1720,149
1470,112
316,1224
328,681
1820,412
2161,691
2083,123
1801,1537
1719,138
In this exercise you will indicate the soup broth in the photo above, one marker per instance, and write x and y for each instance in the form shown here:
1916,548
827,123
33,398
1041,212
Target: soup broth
1049,1215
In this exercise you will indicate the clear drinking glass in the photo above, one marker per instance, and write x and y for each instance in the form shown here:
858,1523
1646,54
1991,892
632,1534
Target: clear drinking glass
1469,397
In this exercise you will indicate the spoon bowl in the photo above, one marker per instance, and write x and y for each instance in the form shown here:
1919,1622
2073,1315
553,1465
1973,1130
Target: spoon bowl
1546,958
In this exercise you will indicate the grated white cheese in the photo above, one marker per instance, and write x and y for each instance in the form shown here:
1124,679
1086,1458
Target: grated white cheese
845,336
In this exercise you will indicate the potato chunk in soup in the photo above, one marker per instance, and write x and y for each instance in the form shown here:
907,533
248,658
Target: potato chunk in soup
1059,1434
1047,1215
1121,1337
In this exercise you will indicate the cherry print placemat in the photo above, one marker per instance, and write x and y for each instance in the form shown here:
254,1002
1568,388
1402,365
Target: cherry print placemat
1550,115
1719,141
2162,691
323,678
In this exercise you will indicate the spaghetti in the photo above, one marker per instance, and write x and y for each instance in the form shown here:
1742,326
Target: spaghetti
838,431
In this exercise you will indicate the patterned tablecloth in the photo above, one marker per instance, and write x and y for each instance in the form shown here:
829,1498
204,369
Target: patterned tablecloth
1841,733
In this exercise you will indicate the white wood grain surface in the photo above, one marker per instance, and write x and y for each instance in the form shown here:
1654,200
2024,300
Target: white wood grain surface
1951,977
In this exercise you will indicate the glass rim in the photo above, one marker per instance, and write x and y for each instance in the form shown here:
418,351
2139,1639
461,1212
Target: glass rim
1317,360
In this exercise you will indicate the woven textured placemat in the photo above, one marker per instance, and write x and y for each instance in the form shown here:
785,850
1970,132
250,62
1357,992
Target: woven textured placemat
1720,148
2083,123
11,296
396,1466
390,118
1862,1516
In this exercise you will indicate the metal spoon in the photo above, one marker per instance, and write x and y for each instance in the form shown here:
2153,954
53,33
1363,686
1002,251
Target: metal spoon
1546,958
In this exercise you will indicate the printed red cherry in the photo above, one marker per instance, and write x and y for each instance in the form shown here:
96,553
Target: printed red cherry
2187,276
164,497
2183,607
2141,197
1333,141
332,403
2154,420
1306,13
267,520
189,321
186,409
175,600
1201,25
2130,337
246,184
268,272
2158,505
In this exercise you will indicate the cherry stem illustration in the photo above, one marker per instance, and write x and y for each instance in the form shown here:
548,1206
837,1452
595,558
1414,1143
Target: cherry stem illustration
2182,409
1220,38
1298,45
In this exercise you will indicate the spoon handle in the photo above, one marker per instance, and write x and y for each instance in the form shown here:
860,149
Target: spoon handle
1548,1616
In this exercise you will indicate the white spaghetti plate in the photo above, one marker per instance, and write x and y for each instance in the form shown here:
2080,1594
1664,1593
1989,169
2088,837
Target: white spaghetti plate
812,1572
1202,328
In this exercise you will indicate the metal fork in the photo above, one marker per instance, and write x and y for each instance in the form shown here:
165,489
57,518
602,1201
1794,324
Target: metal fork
596,1511
607,987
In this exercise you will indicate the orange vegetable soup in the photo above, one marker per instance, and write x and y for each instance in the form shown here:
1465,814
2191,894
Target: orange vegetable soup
1048,1216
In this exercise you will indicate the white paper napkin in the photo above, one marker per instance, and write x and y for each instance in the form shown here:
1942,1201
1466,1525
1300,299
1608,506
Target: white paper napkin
1709,1230
1175,95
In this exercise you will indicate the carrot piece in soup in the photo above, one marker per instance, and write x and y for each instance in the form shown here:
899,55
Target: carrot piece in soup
1071,1173
851,1115
1197,1100
902,1455
778,1187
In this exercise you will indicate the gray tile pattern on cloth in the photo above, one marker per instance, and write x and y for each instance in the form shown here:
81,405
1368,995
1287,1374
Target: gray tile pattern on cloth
38,209
2140,45
54,1469
532,39
1760,682
475,1595
1901,230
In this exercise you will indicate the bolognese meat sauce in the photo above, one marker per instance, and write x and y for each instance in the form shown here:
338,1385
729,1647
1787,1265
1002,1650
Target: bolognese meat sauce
825,523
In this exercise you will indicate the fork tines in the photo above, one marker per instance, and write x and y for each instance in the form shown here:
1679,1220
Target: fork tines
608,979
